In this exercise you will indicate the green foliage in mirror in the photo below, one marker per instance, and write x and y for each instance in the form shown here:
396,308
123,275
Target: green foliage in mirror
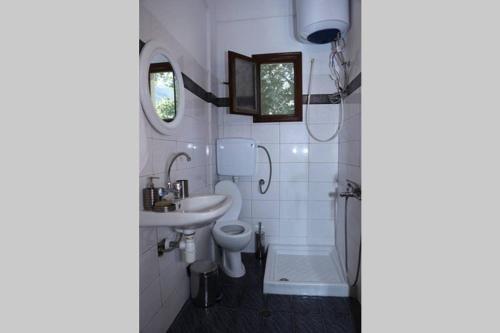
163,94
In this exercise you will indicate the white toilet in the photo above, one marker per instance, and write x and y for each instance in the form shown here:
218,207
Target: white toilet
230,233
236,157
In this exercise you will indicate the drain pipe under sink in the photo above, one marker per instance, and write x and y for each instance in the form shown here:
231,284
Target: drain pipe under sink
188,248
184,242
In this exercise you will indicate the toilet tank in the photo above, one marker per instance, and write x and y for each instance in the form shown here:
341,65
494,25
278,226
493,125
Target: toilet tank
236,157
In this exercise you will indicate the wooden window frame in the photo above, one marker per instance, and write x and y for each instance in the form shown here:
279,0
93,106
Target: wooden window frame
273,58
160,67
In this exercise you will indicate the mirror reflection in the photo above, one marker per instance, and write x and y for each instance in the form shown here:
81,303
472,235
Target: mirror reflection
162,87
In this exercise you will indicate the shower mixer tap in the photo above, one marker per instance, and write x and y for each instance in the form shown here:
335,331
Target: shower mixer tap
353,190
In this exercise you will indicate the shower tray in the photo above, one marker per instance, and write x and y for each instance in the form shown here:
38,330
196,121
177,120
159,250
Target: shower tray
304,270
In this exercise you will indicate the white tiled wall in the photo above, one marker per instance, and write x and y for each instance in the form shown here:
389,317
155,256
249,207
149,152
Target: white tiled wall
164,284
350,168
350,153
297,209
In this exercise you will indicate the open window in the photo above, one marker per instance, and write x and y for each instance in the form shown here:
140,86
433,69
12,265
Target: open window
242,84
266,86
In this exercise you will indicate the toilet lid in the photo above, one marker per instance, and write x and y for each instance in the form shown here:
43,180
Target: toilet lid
227,187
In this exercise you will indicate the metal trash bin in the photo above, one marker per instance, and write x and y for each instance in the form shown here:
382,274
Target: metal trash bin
205,283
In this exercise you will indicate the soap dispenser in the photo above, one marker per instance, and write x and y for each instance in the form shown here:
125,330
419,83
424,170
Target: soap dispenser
149,194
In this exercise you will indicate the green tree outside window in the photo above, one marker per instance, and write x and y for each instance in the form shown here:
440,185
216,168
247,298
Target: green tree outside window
277,89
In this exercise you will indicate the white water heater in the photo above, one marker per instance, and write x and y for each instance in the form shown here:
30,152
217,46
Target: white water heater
321,21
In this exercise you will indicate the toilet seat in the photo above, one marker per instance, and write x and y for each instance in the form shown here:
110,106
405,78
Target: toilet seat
220,228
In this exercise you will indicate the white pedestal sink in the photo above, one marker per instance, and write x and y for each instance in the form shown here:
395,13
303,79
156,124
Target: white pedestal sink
191,213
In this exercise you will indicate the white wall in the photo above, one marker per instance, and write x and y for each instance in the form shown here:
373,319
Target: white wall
186,21
182,26
350,153
297,209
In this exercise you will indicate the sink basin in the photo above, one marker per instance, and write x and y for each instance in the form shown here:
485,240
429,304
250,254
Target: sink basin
191,213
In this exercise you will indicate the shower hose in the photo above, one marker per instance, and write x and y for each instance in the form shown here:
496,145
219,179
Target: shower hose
345,249
336,61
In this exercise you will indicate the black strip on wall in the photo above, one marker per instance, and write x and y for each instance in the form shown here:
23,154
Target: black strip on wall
319,99
209,97
354,84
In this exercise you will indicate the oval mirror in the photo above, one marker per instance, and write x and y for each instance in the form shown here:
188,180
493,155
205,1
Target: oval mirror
161,87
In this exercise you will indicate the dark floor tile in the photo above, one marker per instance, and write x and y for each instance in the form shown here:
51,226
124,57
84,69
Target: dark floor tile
231,296
182,327
309,323
339,324
235,282
277,322
355,308
255,276
177,327
256,288
337,307
306,304
281,303
250,261
252,299
245,309
221,319
248,321
249,258
208,329
188,319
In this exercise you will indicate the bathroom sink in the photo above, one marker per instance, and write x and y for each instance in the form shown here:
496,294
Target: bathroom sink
191,213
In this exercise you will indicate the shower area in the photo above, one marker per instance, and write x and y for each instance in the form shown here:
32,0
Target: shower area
311,211
327,270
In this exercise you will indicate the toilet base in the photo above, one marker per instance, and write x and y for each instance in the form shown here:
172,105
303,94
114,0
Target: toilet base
232,264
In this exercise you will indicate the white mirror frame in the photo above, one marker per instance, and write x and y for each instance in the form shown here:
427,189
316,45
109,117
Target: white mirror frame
148,51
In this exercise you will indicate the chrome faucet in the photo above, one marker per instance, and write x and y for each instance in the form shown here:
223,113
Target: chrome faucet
178,188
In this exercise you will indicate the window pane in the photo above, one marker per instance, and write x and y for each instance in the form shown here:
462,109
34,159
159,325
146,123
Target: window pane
245,84
162,87
277,89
